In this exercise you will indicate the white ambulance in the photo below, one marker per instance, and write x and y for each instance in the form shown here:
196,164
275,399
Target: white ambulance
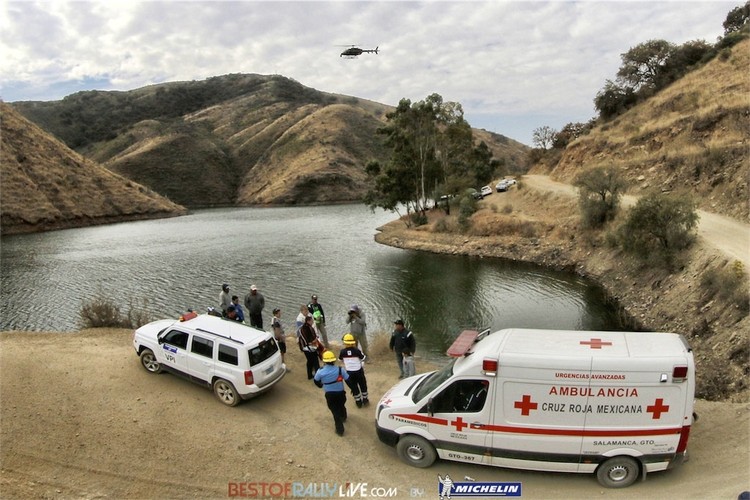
618,404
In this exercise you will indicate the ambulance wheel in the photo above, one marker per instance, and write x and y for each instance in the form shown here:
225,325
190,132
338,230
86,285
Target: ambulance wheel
226,392
416,451
618,472
148,360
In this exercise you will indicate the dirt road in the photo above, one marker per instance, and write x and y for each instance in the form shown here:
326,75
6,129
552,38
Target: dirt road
727,235
82,419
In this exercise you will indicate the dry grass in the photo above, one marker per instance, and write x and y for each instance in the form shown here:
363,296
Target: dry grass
693,133
46,185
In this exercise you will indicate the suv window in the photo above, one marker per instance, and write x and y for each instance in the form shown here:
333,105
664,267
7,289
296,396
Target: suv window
263,351
176,338
202,346
228,354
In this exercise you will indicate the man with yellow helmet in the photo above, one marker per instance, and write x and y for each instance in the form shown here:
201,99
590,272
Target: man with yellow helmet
353,358
331,378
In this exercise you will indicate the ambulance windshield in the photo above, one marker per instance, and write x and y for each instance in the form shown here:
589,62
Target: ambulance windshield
432,382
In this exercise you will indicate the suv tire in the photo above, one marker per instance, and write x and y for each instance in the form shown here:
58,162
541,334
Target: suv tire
226,392
149,362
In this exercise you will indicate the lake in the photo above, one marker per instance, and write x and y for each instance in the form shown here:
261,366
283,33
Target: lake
169,265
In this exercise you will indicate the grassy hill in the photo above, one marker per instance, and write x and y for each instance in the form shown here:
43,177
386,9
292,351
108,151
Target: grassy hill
238,139
692,136
45,185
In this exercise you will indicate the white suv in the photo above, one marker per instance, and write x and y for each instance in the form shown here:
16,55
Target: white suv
237,361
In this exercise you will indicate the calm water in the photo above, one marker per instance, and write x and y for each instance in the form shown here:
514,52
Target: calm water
289,253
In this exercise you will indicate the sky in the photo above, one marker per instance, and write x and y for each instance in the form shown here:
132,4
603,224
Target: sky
514,66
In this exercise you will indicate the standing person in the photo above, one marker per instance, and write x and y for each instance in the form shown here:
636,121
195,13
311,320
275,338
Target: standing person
255,302
308,344
352,358
320,320
278,333
238,308
402,342
331,378
303,312
358,327
225,299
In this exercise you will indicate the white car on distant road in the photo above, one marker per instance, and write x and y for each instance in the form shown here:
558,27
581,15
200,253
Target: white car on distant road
501,186
486,190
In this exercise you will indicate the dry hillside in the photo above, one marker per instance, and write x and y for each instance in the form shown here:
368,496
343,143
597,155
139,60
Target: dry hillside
45,185
693,135
234,139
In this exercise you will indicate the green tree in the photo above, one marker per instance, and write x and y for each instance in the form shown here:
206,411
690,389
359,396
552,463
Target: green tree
432,152
570,132
643,65
614,99
659,226
599,193
737,19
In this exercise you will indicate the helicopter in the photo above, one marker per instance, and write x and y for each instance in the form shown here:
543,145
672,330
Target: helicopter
353,51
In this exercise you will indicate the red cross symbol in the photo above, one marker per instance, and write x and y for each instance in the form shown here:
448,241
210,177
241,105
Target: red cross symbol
387,401
525,404
657,408
460,424
595,343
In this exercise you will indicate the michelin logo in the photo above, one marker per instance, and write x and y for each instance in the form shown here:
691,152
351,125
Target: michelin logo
448,489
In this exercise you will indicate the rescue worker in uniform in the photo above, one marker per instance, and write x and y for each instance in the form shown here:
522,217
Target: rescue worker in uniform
353,358
331,378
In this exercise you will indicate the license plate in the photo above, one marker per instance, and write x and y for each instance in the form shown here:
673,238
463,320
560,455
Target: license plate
269,370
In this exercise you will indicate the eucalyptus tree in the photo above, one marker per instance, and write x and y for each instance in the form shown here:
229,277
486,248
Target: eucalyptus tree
432,153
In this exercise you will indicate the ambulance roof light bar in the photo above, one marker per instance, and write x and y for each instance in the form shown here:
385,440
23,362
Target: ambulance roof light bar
463,343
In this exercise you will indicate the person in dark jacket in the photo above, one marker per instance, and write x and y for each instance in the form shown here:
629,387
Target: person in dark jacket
402,341
308,344
255,302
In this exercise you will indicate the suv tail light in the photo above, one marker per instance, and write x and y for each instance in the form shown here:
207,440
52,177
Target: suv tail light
249,380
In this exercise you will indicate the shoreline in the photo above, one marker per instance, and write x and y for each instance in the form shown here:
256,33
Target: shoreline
650,299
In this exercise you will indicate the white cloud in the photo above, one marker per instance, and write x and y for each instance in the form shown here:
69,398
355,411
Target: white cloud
506,62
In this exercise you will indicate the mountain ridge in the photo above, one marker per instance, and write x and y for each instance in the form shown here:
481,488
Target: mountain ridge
238,138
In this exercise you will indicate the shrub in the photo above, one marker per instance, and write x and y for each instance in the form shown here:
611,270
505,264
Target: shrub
715,380
658,227
103,312
599,195
727,284
466,209
441,226
508,208
419,218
